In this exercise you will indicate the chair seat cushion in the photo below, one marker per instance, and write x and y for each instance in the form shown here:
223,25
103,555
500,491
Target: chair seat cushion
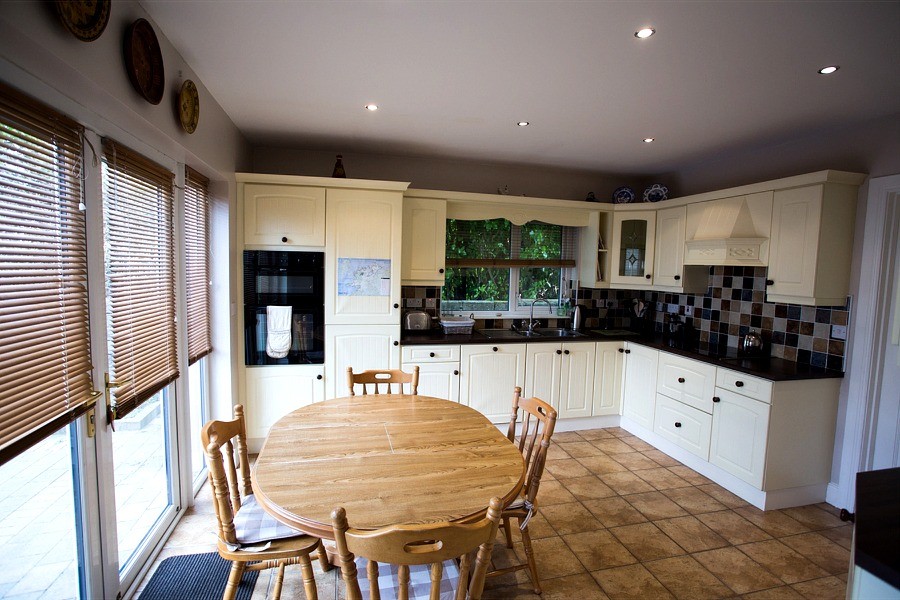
253,525
419,580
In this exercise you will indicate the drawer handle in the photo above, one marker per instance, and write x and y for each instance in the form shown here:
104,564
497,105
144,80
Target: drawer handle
677,278
628,352
770,282
495,348
396,305
559,351
677,424
455,372
738,384
648,276
319,377
622,350
284,240
716,399
565,351
681,380
431,354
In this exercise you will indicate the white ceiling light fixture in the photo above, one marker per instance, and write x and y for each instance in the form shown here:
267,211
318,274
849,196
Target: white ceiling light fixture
648,140
371,107
828,70
644,32
523,123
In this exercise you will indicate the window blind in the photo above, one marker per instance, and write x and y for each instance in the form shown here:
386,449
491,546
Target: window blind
45,362
138,206
196,263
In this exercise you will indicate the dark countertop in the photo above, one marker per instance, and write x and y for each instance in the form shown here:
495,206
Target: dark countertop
878,524
773,369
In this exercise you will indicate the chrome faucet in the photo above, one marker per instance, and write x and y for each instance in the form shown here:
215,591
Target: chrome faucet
531,321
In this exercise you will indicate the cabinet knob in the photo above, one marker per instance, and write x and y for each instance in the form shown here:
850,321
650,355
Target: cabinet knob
319,377
565,351
681,380
440,270
648,276
284,240
396,305
770,282
622,350
455,372
559,351
716,399
677,424
628,352
396,343
431,354
495,348
738,384
677,278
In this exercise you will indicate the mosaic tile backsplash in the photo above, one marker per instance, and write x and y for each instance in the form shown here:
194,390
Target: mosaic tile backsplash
733,304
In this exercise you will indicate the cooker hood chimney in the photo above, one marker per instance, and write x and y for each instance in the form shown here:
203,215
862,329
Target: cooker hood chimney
730,231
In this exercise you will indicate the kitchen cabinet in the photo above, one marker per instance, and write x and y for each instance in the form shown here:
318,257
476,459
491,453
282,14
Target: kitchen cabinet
272,392
593,253
562,375
362,257
688,381
669,272
359,347
634,239
682,425
488,376
438,369
739,431
639,392
731,231
812,245
424,241
609,365
283,215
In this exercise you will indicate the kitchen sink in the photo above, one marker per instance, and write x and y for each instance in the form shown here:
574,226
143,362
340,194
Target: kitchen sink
541,332
557,332
501,334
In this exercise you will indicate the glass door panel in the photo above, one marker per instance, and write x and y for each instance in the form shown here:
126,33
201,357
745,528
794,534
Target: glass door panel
633,250
199,416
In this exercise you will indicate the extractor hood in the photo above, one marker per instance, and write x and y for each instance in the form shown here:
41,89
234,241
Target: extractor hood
729,231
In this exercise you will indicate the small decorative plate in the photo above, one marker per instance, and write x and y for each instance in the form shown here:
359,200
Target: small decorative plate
188,106
655,193
623,195
85,19
143,61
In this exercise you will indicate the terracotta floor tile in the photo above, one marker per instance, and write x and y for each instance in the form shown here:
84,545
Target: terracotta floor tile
556,452
822,551
723,495
694,500
646,541
691,534
842,536
599,550
654,505
687,579
595,434
506,592
626,482
613,446
662,458
661,478
599,465
567,436
581,587
580,449
553,492
617,432
637,443
538,527
733,527
737,570
814,517
781,560
773,522
690,475
554,559
827,588
635,461
570,518
632,581
566,469
612,512
585,488
784,592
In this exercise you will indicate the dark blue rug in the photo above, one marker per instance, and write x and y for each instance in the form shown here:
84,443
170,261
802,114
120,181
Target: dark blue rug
195,577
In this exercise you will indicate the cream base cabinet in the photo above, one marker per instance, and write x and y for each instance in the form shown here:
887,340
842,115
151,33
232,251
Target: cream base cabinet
362,257
359,347
562,375
272,392
739,431
609,363
283,215
543,370
639,393
488,375
438,369
424,241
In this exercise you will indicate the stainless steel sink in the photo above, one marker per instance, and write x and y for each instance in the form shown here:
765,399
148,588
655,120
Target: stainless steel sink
557,332
501,334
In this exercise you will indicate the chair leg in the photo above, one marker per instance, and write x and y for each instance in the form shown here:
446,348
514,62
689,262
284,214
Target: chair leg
323,558
506,530
529,556
234,580
309,578
279,581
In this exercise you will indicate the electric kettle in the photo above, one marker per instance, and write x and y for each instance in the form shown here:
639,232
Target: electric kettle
578,317
752,343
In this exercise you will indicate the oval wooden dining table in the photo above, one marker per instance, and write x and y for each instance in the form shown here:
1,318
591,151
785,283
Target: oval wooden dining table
387,459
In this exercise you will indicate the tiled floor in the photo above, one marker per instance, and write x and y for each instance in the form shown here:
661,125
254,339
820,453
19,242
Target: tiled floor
620,519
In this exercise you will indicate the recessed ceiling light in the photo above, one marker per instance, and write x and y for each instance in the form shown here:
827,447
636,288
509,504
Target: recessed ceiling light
648,140
523,123
644,32
828,70
372,107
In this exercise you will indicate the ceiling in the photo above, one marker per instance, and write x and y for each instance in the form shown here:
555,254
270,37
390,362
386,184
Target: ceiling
452,79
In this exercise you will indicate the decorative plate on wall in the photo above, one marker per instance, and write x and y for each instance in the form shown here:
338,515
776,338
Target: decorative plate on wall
143,61
188,106
623,195
656,192
85,19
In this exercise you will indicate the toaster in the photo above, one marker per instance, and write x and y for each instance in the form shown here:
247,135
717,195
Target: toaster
417,320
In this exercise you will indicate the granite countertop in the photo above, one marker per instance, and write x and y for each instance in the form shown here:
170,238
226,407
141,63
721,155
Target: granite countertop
771,368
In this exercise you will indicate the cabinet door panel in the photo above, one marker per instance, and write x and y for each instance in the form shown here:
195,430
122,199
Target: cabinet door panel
608,368
488,378
542,372
796,216
739,432
683,425
272,392
577,380
669,255
634,238
360,347
639,396
438,380
424,241
274,212
689,381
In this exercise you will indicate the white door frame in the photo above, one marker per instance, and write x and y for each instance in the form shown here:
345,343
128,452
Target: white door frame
869,335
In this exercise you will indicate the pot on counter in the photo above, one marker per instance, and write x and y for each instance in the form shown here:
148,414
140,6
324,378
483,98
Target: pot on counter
752,343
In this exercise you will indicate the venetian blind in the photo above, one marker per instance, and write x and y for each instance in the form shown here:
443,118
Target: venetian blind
45,362
196,263
140,276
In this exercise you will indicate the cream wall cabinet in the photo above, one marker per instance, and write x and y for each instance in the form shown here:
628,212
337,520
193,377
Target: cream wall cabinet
562,375
489,374
634,239
283,215
359,347
593,251
669,271
812,245
438,369
272,392
424,241
639,394
609,365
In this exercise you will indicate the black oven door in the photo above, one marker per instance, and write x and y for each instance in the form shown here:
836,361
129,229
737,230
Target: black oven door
307,344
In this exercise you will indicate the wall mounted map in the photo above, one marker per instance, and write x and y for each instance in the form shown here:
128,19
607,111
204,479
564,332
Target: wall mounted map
364,277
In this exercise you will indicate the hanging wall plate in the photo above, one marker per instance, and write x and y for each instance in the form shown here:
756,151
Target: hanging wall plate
143,61
85,19
189,106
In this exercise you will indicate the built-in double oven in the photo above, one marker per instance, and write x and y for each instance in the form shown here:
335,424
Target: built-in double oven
284,307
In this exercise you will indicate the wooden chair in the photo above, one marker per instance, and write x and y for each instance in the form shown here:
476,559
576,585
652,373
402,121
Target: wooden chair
538,422
387,377
405,551
241,520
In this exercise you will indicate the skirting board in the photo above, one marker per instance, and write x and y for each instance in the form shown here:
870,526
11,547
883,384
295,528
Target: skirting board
772,500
